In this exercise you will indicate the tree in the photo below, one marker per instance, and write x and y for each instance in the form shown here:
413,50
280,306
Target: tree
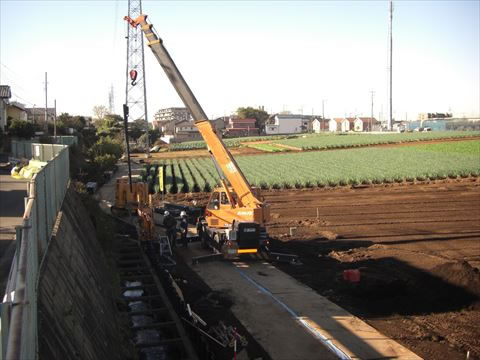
251,113
136,129
106,145
99,112
22,129
153,136
110,125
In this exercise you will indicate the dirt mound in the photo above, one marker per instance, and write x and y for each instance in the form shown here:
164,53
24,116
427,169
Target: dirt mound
460,274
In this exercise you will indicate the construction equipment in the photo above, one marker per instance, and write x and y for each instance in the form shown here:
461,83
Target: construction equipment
127,199
235,217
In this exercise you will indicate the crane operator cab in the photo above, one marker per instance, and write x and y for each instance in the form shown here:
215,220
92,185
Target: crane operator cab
232,229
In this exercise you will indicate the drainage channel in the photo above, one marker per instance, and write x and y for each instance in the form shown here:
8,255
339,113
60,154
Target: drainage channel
158,331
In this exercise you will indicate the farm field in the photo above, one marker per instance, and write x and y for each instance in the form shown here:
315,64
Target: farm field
364,166
330,140
415,241
418,250
416,246
333,141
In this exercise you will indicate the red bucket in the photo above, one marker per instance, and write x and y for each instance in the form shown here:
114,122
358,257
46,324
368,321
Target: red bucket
351,275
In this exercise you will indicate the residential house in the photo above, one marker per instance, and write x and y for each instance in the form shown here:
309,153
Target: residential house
186,131
16,111
220,123
168,127
335,124
5,95
166,119
366,124
286,124
319,125
241,127
37,115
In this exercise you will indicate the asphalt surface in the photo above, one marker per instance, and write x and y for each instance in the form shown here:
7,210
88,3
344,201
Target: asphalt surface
12,194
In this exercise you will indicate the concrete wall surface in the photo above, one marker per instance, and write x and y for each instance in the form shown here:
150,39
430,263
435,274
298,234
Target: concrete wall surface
76,310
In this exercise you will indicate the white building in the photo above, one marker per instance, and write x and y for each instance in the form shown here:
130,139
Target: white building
319,125
286,124
366,124
334,125
173,113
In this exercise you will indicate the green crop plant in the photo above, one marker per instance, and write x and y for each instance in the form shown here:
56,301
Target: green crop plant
342,167
332,141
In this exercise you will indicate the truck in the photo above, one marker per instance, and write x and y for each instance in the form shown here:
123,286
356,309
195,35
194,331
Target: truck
235,216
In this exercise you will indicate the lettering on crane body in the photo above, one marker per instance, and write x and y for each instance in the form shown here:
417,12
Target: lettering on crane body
245,213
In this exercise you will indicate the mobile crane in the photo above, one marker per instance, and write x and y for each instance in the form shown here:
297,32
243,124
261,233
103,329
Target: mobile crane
235,216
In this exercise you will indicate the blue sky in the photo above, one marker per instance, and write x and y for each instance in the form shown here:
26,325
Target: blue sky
280,54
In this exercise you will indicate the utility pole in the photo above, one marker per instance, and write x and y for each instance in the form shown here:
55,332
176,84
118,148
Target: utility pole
46,107
390,25
371,116
55,120
136,91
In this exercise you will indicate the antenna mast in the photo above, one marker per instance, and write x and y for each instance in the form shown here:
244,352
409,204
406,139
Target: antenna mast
111,101
390,18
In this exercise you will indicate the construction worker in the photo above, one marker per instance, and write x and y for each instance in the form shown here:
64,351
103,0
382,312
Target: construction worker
184,228
170,225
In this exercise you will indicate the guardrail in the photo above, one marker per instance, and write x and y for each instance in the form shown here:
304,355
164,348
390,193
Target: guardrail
46,192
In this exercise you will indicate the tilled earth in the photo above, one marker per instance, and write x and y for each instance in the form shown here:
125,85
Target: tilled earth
417,247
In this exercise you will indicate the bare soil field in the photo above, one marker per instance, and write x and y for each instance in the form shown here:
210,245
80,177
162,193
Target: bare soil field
418,251
196,153
417,247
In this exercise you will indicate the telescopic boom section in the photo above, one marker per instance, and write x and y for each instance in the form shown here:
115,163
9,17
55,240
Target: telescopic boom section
221,155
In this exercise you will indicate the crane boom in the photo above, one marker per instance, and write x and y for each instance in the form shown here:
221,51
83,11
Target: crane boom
223,158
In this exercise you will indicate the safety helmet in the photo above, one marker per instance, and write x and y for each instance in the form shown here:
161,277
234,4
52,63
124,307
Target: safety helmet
183,213
166,213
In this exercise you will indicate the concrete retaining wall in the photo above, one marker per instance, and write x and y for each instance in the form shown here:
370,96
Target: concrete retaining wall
76,311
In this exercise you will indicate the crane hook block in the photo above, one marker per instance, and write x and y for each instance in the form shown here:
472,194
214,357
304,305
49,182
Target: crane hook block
133,77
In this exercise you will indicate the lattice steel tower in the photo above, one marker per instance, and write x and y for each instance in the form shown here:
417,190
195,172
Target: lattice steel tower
136,93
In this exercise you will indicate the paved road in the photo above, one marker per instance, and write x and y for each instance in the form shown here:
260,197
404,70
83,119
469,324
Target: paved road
106,194
12,194
290,320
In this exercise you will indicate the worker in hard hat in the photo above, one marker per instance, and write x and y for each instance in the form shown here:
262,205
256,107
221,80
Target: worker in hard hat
170,225
184,228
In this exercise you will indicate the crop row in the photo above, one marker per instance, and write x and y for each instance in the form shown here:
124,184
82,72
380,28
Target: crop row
333,168
229,142
332,141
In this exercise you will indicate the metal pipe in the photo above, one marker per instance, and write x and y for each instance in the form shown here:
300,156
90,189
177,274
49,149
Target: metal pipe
15,330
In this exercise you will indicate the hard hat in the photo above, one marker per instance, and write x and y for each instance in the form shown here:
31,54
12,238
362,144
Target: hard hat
183,213
166,213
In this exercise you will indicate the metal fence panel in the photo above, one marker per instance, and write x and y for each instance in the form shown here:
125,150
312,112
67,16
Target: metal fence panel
46,191
22,149
28,348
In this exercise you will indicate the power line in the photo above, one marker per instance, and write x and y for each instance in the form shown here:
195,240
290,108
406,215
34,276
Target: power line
23,100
